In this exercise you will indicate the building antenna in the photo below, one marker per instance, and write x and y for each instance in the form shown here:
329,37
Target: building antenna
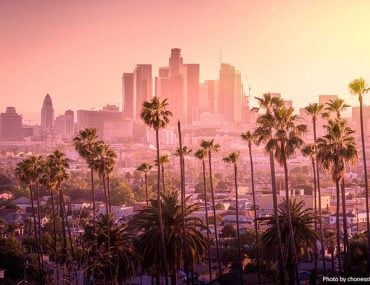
220,57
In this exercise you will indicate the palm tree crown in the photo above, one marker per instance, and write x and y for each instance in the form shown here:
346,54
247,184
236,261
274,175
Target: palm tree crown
154,113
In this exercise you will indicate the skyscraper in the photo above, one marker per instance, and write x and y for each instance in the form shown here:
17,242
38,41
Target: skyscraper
230,93
142,87
47,115
10,125
128,95
190,74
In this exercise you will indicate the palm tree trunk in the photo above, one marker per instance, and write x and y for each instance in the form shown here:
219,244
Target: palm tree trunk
214,217
146,188
182,175
105,196
366,182
61,209
255,212
237,222
345,232
315,207
338,227
207,222
163,242
108,192
332,262
93,199
54,233
39,224
319,196
36,235
276,214
290,224
163,185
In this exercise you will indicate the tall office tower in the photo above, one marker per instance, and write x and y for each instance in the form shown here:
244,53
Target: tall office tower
10,125
47,116
64,125
175,62
213,95
190,74
246,113
128,95
70,123
230,93
142,87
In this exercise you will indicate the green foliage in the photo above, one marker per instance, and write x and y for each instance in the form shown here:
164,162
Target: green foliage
121,192
228,231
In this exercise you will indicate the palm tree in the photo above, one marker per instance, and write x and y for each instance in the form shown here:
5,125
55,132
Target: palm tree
359,87
85,144
163,160
329,243
155,114
59,164
201,154
249,137
103,164
145,168
284,143
118,252
146,224
233,159
315,111
264,132
27,173
181,152
304,239
337,106
336,150
209,147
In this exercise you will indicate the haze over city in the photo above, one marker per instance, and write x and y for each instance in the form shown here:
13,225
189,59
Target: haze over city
77,50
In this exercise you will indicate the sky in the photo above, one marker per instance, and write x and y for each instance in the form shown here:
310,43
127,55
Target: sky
77,50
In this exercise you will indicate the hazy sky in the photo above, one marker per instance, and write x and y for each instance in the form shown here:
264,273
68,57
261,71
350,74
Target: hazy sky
78,50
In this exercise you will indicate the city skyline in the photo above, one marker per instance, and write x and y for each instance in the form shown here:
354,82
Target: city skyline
77,52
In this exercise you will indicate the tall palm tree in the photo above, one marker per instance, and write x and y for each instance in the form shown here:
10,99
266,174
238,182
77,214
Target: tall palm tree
155,114
59,164
201,154
27,173
329,243
163,160
360,88
250,138
104,163
233,159
146,224
210,146
316,111
264,132
145,168
337,106
309,150
305,235
181,152
284,143
336,150
85,144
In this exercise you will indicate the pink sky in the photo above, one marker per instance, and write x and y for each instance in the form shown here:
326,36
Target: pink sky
77,50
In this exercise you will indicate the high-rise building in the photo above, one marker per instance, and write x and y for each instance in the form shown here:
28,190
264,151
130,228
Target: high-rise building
96,119
128,95
230,93
190,74
47,116
175,62
10,125
142,87
64,125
